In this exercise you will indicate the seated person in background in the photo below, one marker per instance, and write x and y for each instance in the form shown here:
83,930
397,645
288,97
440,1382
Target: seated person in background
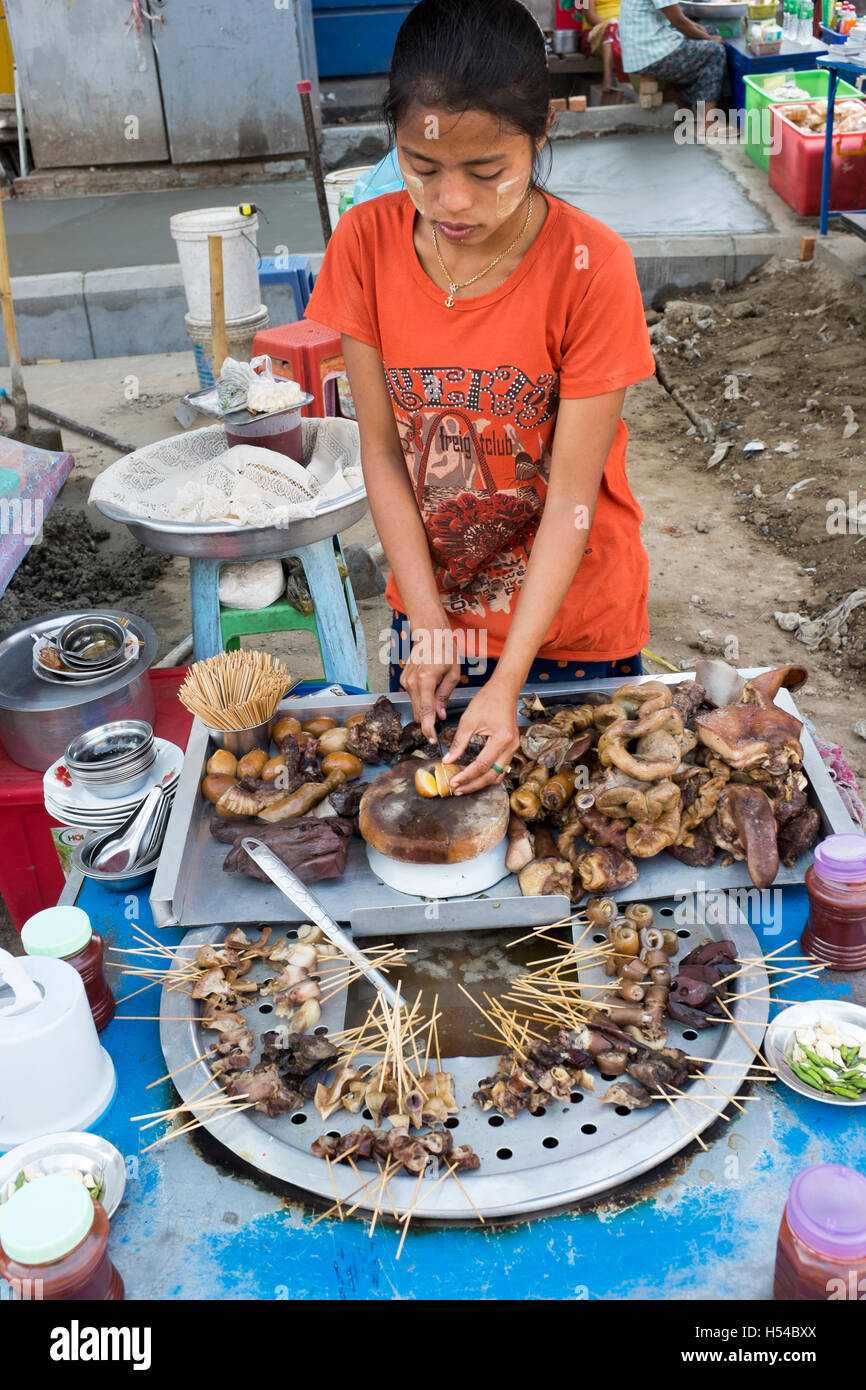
658,41
603,33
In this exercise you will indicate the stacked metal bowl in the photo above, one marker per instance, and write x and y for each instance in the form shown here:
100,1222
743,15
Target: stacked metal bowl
112,760
93,644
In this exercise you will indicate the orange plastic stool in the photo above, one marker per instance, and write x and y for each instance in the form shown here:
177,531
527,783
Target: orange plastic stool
310,354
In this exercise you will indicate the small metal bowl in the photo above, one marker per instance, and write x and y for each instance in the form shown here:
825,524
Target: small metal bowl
240,741
123,785
62,1153
91,642
128,879
109,747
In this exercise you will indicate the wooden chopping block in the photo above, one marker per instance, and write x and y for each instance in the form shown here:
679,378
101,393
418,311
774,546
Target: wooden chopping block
415,829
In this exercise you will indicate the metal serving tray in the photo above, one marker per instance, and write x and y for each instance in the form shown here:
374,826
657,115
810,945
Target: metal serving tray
206,402
191,890
530,1163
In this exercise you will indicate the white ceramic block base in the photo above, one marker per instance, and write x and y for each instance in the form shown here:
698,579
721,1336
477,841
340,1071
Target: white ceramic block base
441,880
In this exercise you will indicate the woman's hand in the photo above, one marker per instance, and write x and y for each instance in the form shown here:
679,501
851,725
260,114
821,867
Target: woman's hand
492,714
430,675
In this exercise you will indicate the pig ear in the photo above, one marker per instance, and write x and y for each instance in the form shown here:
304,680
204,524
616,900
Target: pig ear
769,683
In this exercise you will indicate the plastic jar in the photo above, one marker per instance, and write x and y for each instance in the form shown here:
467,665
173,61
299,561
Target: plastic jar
66,934
54,1243
821,1250
835,930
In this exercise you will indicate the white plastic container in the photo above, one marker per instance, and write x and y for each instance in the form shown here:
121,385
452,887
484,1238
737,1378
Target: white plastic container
54,1074
239,341
240,260
342,181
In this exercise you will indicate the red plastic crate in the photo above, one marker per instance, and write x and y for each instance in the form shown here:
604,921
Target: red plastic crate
30,874
796,165
310,354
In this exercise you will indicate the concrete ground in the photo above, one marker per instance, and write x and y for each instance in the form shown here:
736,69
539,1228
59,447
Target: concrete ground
641,184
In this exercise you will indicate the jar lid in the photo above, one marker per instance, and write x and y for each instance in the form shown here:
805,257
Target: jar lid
56,931
842,858
45,1219
827,1210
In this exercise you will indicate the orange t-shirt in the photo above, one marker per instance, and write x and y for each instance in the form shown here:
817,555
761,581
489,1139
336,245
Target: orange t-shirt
475,391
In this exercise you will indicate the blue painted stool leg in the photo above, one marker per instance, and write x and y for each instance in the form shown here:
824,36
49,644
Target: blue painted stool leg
342,658
204,576
355,619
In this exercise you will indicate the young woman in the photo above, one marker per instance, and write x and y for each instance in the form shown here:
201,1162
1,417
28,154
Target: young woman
489,333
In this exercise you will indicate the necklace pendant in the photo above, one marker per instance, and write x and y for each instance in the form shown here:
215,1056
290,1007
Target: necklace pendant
450,300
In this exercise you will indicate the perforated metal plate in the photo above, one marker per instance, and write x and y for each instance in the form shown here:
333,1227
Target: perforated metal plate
528,1163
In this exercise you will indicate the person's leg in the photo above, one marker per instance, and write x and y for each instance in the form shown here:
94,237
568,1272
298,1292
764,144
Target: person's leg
698,70
607,81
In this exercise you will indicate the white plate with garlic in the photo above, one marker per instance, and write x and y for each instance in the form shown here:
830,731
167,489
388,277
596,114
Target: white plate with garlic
819,1049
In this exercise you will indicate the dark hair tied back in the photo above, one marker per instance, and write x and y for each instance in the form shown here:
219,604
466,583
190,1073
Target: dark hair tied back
471,55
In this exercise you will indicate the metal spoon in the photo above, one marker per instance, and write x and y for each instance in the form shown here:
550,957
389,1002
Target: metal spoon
299,894
123,847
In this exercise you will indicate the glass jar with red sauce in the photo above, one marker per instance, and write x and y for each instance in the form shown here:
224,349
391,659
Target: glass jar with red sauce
66,934
821,1251
836,884
54,1243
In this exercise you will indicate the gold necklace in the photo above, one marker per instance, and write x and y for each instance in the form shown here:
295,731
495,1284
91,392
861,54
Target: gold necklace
454,285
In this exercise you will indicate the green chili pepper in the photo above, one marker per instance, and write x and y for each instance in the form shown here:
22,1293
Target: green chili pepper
815,1059
844,1091
809,1077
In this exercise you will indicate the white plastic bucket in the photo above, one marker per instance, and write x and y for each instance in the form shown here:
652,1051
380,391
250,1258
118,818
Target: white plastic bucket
240,260
342,181
239,341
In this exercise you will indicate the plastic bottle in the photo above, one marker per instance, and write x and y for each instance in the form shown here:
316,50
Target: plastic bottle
54,1243
66,934
821,1249
835,931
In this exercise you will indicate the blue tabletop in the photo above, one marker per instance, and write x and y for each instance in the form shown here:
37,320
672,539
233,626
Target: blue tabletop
703,1226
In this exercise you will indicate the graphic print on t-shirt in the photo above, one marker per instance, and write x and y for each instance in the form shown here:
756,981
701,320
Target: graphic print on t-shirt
478,463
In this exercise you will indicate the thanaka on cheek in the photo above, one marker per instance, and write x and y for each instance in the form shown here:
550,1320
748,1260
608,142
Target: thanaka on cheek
509,196
415,189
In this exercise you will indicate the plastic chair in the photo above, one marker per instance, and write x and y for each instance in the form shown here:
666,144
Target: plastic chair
334,620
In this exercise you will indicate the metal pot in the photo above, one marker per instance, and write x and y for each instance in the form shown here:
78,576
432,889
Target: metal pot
38,719
565,40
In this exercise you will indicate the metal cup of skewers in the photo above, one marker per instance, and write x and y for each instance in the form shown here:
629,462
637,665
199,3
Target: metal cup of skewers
241,741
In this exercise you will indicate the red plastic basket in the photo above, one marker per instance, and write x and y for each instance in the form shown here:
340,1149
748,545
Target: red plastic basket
796,162
30,874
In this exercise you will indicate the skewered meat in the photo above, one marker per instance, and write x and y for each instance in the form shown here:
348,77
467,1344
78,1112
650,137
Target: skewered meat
234,1031
414,1153
550,1070
376,738
264,1085
625,1094
232,1061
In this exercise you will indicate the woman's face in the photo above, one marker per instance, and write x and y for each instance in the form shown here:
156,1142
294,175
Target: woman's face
465,172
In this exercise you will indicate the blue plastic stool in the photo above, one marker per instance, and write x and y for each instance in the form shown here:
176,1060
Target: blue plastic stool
338,625
298,273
